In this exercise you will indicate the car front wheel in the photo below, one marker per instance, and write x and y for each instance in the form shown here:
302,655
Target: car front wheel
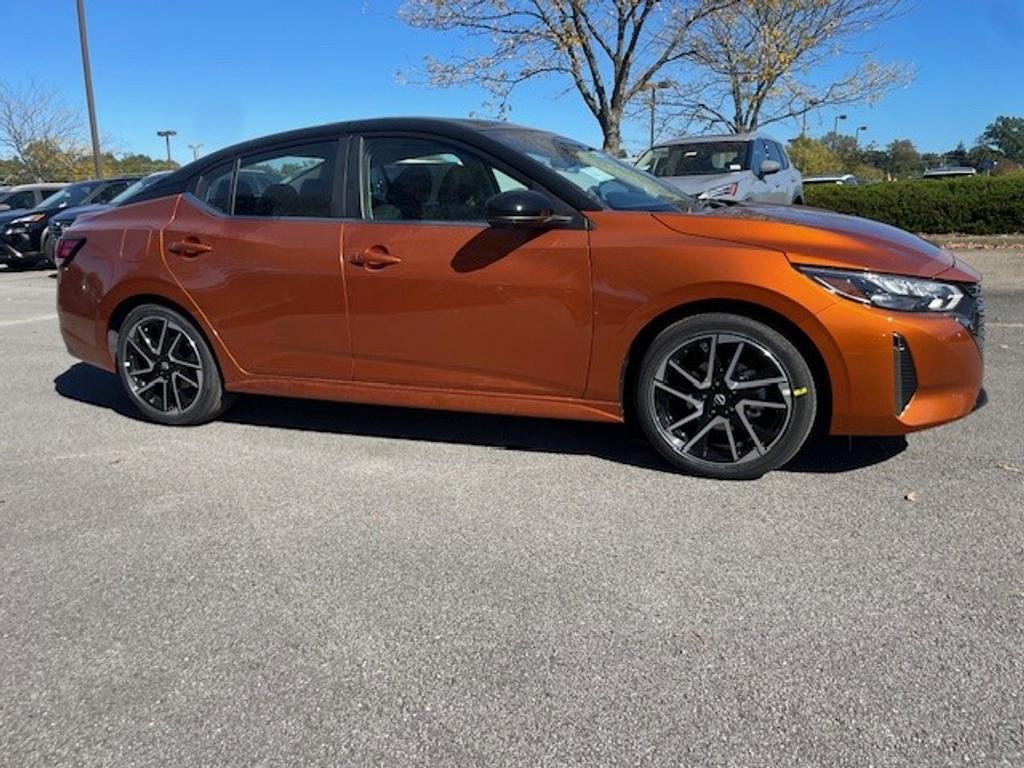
167,368
725,396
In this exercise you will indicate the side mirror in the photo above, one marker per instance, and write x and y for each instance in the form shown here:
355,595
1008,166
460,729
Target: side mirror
770,166
523,209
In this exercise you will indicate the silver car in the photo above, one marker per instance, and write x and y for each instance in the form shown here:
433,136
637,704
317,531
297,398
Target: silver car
743,166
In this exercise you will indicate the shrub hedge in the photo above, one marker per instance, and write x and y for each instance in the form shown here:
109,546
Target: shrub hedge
977,205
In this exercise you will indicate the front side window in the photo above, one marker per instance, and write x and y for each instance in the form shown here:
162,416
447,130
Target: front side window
774,152
426,180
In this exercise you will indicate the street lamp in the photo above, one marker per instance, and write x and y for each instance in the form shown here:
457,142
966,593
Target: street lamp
83,39
654,88
856,134
195,150
166,135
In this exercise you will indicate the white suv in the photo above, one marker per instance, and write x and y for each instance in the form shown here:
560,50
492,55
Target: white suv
742,166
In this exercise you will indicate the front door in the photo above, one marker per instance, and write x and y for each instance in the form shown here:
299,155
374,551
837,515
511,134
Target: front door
258,250
438,299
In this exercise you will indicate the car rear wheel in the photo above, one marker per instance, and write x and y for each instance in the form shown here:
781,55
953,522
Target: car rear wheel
167,368
725,396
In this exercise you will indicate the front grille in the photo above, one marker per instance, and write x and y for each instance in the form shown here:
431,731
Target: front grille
904,373
971,311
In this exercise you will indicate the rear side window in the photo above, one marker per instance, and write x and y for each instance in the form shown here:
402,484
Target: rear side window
296,182
214,187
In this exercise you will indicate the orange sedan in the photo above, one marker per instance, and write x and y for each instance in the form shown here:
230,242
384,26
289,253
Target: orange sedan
480,266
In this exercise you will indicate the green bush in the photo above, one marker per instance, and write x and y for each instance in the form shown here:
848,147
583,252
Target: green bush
977,205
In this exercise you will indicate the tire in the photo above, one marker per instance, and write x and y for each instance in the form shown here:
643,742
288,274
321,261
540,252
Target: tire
167,368
46,248
725,396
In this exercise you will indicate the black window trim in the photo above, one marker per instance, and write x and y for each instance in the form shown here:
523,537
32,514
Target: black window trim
355,186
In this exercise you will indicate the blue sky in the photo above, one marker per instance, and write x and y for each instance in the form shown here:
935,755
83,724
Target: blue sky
219,71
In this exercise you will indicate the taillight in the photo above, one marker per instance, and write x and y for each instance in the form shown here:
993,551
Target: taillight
67,249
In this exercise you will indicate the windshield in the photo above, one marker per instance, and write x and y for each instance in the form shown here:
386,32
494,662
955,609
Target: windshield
709,158
133,189
72,195
608,182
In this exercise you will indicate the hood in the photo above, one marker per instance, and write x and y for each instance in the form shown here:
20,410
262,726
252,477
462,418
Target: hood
814,236
10,215
698,185
70,214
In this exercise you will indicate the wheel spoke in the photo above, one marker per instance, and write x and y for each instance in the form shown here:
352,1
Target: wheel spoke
178,360
685,420
732,365
695,402
758,445
757,383
761,404
732,441
143,355
149,385
693,381
702,432
712,351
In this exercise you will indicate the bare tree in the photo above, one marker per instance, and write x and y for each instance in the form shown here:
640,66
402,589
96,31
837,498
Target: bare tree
608,50
762,59
35,126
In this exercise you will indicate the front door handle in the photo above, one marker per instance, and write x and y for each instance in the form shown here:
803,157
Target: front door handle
374,257
190,246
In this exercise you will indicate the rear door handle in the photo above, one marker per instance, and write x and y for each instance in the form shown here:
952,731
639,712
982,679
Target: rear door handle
374,257
190,246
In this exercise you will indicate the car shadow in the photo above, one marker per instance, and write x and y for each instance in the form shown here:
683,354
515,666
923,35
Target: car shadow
614,442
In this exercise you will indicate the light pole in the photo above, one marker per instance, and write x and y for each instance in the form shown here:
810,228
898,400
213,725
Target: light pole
856,134
195,150
166,135
83,39
654,88
835,127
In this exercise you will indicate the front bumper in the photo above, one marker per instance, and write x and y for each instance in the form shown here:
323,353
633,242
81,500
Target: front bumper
897,372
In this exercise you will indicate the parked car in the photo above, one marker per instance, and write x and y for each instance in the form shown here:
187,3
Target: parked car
481,266
743,167
25,235
949,172
66,217
843,179
25,196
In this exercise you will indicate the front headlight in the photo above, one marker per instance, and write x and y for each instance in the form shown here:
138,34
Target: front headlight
726,190
31,218
906,294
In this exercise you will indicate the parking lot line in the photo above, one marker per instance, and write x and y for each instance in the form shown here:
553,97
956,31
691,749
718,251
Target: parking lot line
22,321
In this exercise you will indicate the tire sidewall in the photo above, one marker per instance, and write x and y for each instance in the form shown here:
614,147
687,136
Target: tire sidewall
211,400
804,407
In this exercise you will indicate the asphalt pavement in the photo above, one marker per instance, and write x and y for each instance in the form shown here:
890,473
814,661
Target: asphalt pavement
316,584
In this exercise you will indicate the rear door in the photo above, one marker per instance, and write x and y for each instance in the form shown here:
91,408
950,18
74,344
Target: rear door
257,246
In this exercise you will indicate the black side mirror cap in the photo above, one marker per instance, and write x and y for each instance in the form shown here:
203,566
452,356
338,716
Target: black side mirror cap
523,209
